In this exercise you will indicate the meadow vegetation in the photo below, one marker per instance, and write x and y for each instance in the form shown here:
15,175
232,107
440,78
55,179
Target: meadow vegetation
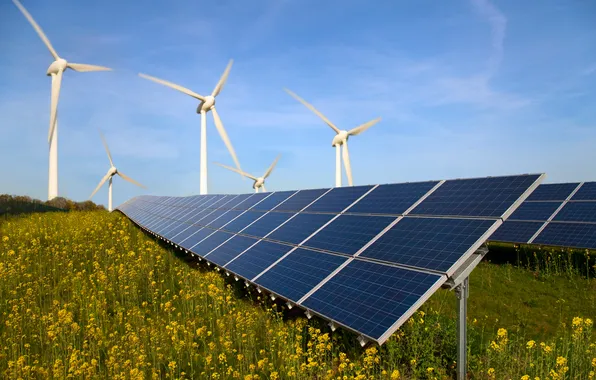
89,295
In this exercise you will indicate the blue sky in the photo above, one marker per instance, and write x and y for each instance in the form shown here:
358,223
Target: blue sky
465,88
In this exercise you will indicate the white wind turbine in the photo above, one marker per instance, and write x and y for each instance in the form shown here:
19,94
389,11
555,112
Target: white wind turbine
340,139
259,181
55,71
111,172
207,103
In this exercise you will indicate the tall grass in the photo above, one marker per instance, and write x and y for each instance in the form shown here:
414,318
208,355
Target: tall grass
88,295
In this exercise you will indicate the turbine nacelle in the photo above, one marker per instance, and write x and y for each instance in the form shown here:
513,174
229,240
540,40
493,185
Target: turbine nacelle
58,65
207,104
113,171
340,138
258,183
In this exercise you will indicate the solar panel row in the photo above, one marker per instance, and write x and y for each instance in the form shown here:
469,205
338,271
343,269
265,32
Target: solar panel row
560,214
364,257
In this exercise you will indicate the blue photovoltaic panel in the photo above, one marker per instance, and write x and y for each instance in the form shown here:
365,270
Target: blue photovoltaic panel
299,272
242,221
338,199
378,295
272,200
430,243
392,199
585,193
175,231
577,212
257,259
207,219
267,223
225,218
370,297
300,227
552,192
516,232
578,235
348,233
229,250
250,202
211,242
192,228
236,202
192,240
481,197
535,211
300,200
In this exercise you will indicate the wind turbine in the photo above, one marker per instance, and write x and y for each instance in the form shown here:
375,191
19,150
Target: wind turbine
259,181
207,103
111,172
55,71
340,139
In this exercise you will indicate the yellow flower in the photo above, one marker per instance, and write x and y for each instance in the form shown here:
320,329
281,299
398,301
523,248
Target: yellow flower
530,344
430,369
395,375
525,377
561,361
502,333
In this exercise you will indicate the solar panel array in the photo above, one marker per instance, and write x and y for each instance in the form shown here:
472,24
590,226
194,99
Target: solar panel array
364,257
558,214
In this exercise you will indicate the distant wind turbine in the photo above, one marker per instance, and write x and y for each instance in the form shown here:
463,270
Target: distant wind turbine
340,139
207,103
259,181
111,172
55,71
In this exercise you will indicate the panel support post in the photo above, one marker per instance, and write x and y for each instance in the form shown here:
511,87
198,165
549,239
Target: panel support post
462,293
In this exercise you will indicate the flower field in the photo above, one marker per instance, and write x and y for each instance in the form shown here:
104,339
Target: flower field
88,295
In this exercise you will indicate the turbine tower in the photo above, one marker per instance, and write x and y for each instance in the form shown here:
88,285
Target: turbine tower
340,140
259,181
55,71
207,103
111,172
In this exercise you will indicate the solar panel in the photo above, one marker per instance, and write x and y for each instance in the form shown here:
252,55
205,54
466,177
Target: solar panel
230,249
488,197
299,272
535,210
553,204
577,212
587,192
364,257
553,192
429,243
252,262
516,232
393,199
581,235
372,298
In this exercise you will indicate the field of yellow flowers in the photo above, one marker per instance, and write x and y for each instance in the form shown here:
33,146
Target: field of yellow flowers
88,295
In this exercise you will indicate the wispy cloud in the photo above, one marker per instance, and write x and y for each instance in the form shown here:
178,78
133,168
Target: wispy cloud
498,26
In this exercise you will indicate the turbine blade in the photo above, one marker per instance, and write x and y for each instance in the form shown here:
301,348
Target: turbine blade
56,81
268,172
347,165
223,79
313,109
174,86
103,180
83,67
361,128
264,189
224,137
237,171
105,145
127,178
40,32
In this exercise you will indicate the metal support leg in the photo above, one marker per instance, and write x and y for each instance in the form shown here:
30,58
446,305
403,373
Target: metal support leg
462,293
